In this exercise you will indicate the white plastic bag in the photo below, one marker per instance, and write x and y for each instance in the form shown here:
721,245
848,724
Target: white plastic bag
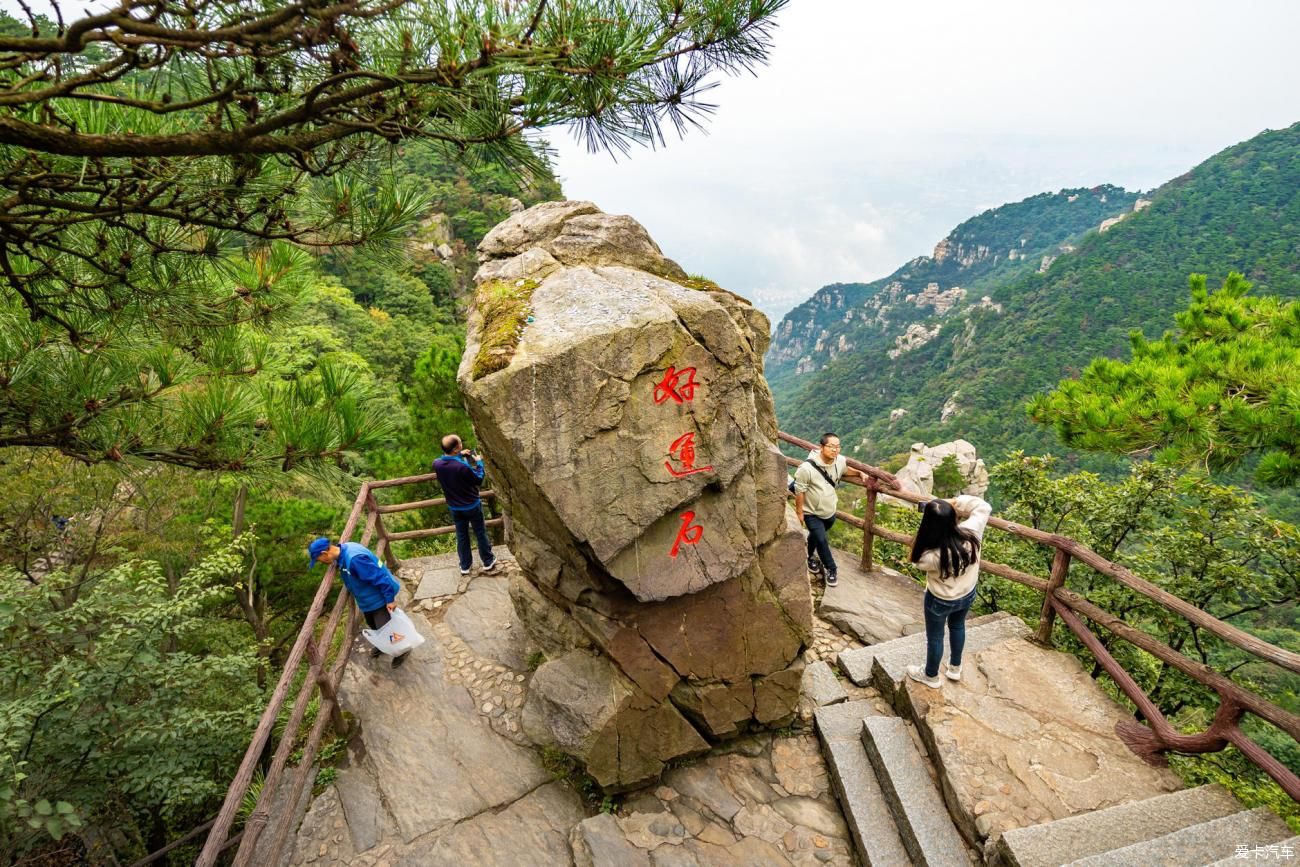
396,636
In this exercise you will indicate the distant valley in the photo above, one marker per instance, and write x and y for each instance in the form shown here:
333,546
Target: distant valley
1015,299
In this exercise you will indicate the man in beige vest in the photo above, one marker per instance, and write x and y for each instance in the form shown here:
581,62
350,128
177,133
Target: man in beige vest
815,501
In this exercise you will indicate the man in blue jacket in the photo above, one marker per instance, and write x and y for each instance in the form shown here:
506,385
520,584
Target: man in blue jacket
370,582
460,472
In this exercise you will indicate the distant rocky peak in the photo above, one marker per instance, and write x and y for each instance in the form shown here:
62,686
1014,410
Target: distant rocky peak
893,315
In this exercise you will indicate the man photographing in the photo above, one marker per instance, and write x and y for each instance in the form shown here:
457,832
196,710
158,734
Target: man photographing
460,473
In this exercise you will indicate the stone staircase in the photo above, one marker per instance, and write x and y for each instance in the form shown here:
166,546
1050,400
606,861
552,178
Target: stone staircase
1198,826
1017,765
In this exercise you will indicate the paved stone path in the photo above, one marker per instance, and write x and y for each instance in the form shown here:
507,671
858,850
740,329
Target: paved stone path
768,803
441,773
828,642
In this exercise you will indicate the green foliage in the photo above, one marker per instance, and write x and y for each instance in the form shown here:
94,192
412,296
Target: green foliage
505,308
27,818
402,362
948,480
121,692
567,769
1236,773
1224,386
699,282
197,385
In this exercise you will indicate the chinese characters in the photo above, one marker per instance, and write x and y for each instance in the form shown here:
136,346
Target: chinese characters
669,388
683,452
686,533
679,386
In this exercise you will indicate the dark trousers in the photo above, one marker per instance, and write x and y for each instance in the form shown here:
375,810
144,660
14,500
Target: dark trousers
818,542
463,521
378,618
939,612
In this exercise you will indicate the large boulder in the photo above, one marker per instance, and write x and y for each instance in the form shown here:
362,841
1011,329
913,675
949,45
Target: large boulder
585,706
628,429
918,474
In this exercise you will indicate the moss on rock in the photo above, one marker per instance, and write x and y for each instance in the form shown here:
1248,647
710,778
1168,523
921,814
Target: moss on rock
695,281
704,284
505,307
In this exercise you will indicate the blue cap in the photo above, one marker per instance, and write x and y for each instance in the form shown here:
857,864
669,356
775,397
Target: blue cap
316,548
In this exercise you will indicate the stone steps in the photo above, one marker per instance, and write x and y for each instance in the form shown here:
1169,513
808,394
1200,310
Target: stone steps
894,812
923,822
1112,828
884,665
1282,851
1026,768
860,794
1200,844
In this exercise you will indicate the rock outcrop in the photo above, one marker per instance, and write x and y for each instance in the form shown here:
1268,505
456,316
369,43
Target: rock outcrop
632,438
918,474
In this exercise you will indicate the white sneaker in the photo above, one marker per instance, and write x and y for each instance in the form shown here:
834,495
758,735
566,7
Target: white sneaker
917,673
952,672
489,568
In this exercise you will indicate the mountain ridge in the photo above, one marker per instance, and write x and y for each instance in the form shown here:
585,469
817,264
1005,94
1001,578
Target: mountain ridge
970,376
990,246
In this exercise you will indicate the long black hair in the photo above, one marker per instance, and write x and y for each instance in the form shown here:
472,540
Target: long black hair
957,546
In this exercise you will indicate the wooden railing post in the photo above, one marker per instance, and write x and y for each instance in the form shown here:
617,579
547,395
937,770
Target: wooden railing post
869,526
388,555
1060,569
326,688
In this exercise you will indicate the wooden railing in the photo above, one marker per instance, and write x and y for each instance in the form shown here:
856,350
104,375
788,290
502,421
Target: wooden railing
320,656
1158,735
325,652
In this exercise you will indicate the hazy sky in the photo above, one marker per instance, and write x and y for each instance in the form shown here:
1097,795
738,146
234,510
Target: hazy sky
878,127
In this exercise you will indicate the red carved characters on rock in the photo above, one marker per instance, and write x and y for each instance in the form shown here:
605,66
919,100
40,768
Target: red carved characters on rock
683,452
671,387
679,386
686,533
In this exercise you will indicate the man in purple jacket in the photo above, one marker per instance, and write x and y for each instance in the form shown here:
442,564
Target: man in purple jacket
460,472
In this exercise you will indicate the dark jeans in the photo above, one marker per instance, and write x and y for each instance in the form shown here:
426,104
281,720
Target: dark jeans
464,520
378,618
817,541
937,613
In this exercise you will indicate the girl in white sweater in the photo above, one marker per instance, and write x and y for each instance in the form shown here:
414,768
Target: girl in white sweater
949,554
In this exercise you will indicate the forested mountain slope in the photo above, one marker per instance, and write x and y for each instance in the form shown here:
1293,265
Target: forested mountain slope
141,737
981,253
968,372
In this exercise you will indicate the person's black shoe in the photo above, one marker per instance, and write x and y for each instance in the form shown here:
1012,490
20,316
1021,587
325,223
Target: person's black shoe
399,661
814,565
832,579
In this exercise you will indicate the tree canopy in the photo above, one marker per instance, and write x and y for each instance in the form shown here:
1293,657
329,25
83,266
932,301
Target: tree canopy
163,165
1224,386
